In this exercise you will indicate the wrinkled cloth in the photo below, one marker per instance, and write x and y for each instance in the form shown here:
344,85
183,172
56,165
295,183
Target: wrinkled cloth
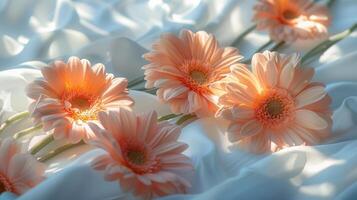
117,33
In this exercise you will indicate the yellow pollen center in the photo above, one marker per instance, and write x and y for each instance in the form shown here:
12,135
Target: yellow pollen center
136,157
274,108
290,14
82,107
80,102
198,76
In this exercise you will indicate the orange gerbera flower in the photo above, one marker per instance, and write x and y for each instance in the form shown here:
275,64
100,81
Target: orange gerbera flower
288,20
185,67
72,94
143,155
276,105
19,172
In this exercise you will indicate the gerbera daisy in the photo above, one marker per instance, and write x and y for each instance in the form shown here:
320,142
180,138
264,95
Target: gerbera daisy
70,95
288,20
143,155
19,172
276,105
183,69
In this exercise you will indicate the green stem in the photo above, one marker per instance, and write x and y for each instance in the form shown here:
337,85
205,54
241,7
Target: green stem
264,46
14,118
258,50
185,118
277,46
148,90
242,35
136,81
27,131
330,2
323,46
58,151
247,61
39,146
168,117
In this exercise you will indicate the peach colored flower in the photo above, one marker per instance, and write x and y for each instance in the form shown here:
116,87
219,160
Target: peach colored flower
276,105
288,20
143,155
70,95
184,68
19,172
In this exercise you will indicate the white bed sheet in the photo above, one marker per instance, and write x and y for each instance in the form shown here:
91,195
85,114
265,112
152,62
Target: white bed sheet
117,33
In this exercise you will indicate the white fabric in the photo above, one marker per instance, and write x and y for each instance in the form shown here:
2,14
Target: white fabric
117,33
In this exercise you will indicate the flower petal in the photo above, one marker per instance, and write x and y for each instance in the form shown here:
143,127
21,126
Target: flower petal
251,128
310,96
242,112
271,73
310,119
288,71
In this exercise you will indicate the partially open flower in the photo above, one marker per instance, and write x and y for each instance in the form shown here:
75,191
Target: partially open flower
71,94
275,106
19,172
184,68
143,155
288,20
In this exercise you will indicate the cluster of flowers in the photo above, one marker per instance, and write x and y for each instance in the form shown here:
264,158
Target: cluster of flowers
270,106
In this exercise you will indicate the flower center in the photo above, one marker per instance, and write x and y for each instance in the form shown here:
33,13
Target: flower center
198,76
290,14
83,107
5,185
274,108
136,157
80,102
